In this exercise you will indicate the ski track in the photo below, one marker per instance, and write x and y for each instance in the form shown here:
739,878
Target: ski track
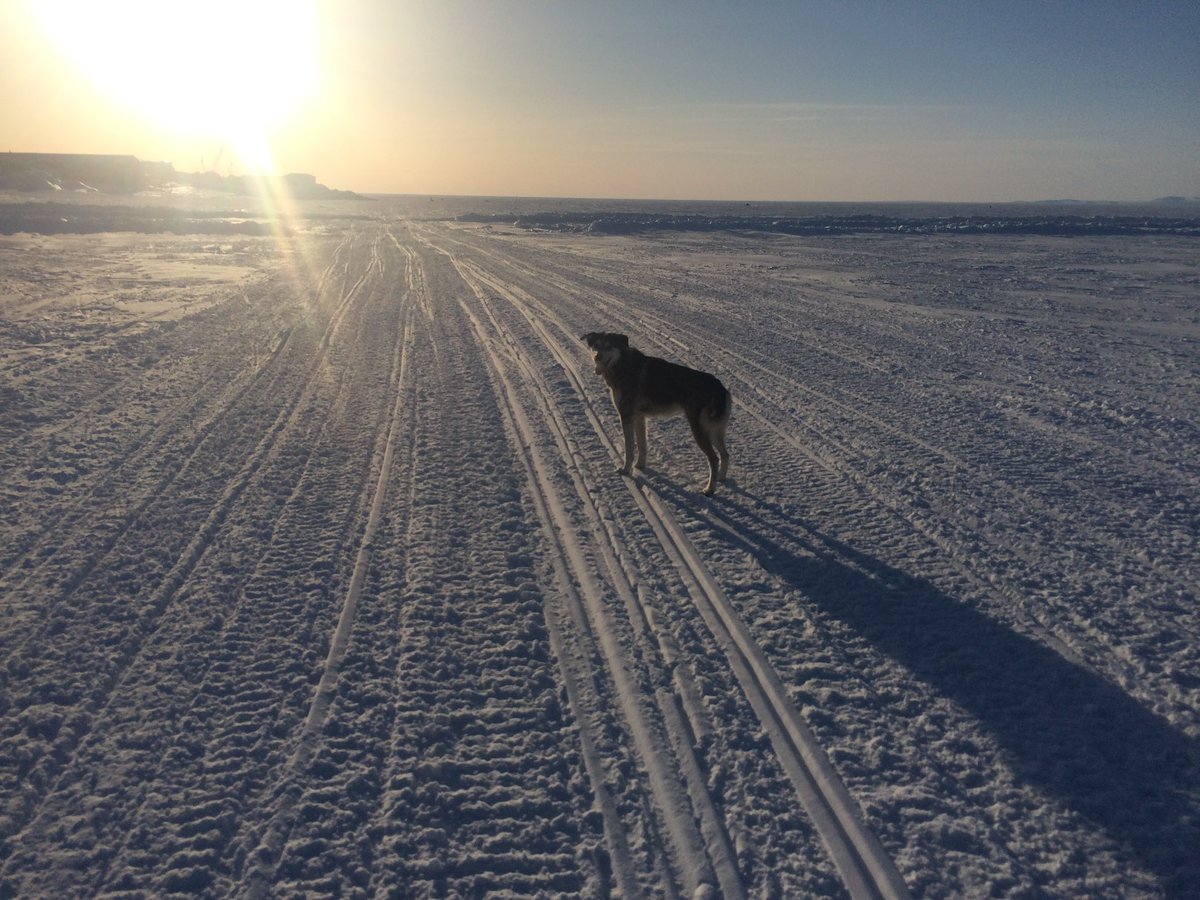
108,677
862,862
156,447
949,530
329,585
879,517
700,858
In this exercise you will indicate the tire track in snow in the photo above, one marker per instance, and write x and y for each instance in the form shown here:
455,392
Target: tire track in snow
241,687
67,533
69,528
870,489
547,318
694,865
866,868
666,332
1080,642
478,782
26,799
444,766
751,396
702,853
74,528
751,401
259,877
905,537
260,661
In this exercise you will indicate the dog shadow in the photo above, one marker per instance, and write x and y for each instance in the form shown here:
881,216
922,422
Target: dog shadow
1065,729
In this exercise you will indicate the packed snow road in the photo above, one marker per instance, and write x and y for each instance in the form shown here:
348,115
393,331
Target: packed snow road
318,576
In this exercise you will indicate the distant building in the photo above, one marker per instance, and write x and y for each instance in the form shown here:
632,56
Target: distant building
79,171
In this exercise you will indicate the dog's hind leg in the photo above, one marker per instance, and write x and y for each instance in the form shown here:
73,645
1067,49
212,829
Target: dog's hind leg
700,433
628,427
720,423
722,450
639,427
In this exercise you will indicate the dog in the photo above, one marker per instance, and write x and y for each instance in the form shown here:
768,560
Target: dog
644,386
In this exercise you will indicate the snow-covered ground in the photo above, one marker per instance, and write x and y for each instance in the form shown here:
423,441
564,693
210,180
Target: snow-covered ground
317,575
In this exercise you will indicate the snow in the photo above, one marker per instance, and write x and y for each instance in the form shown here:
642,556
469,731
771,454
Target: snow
317,575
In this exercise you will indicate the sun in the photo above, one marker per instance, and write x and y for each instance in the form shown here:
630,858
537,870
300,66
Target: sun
229,71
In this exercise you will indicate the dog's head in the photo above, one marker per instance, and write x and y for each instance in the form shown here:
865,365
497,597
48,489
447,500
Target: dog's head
607,348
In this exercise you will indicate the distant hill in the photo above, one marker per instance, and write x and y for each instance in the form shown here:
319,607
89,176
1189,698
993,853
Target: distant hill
72,172
122,174
1169,201
300,185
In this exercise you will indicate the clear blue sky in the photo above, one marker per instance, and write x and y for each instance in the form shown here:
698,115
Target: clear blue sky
795,100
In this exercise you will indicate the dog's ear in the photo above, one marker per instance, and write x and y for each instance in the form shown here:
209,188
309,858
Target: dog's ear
619,340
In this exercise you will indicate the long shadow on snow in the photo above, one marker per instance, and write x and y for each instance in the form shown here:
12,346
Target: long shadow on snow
1067,730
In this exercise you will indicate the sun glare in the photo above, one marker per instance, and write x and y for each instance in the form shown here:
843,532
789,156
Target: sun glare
219,70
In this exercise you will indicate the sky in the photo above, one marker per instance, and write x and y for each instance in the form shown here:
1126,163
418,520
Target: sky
850,100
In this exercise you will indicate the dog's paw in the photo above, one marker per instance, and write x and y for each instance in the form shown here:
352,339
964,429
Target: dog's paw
624,470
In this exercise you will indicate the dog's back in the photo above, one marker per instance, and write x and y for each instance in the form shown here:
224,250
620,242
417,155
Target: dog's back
669,386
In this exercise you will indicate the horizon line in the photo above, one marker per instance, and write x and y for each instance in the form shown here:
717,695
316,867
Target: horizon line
1166,199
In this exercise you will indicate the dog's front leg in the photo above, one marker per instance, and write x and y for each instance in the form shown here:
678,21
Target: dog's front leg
629,427
639,427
